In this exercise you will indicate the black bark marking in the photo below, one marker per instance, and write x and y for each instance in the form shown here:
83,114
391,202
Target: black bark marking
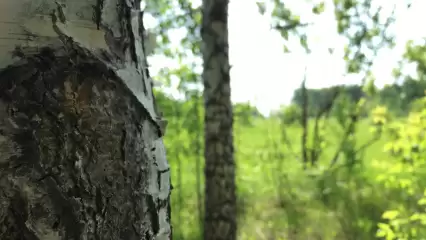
78,152
97,13
127,31
153,214
60,12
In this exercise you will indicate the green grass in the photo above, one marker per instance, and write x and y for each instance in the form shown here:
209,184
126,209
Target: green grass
277,199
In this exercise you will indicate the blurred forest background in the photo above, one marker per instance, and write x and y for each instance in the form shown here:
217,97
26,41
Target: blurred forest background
339,162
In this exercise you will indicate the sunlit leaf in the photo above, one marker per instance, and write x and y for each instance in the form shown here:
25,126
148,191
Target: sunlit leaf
319,8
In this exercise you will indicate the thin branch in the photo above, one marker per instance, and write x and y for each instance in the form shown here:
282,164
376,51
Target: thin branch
304,119
316,151
348,132
290,26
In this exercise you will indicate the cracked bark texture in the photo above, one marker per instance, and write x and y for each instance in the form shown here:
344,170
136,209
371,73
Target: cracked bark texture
81,149
220,221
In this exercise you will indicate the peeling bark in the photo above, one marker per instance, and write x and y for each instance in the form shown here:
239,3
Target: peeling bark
81,149
220,221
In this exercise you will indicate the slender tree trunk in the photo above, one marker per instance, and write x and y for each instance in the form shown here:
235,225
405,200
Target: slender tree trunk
81,150
220,220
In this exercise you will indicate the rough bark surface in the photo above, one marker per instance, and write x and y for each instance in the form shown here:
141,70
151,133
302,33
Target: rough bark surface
81,150
220,192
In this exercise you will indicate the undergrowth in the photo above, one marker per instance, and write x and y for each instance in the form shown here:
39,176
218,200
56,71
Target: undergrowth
373,189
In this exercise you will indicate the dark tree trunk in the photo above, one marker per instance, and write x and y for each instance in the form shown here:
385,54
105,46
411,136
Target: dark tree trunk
220,221
81,150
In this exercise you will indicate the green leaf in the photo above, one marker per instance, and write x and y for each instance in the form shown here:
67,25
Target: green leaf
390,214
286,50
284,34
385,231
304,41
261,7
318,9
422,201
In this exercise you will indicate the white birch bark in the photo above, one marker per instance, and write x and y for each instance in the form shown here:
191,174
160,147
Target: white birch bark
81,149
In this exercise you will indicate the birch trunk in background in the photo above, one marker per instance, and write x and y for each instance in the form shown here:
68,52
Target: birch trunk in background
81,150
220,221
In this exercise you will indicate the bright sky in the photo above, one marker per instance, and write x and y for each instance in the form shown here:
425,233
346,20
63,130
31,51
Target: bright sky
263,75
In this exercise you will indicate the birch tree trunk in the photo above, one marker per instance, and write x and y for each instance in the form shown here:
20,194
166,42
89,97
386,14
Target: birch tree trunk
220,191
81,150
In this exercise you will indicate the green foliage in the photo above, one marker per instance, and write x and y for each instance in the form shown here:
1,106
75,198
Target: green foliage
335,203
407,174
319,8
277,197
418,105
323,98
398,98
353,189
365,26
288,24
244,113
369,87
290,114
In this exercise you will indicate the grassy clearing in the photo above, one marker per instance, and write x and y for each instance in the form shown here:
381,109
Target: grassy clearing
277,199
